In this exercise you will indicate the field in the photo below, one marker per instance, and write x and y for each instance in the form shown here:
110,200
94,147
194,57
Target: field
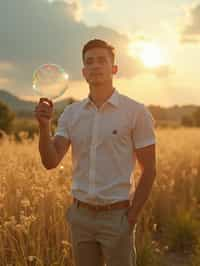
33,202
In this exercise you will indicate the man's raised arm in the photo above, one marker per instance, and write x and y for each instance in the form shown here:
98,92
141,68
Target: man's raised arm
52,150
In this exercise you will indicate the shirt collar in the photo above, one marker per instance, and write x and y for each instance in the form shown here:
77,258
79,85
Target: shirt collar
113,99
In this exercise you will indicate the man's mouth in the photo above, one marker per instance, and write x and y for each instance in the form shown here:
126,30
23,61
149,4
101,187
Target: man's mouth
96,74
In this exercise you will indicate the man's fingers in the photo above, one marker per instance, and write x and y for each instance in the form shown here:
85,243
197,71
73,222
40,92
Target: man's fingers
39,113
46,100
43,116
43,109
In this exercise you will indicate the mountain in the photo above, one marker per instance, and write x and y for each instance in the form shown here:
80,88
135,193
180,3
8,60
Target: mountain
25,108
16,104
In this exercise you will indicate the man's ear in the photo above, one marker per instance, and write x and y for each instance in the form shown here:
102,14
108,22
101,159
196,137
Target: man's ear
114,69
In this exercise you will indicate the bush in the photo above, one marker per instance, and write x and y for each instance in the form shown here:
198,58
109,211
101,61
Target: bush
187,121
196,116
6,117
29,126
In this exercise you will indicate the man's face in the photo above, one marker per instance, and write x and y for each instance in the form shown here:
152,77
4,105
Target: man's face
98,66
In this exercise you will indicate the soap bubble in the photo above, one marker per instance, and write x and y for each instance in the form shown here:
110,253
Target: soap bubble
50,81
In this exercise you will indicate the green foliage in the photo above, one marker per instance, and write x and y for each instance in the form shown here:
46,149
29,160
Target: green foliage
148,255
195,258
29,126
187,121
182,232
158,112
167,124
196,116
191,120
6,117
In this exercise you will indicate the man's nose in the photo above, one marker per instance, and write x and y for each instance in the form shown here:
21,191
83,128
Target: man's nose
96,65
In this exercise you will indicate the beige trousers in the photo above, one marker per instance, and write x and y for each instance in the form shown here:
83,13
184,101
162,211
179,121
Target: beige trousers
101,238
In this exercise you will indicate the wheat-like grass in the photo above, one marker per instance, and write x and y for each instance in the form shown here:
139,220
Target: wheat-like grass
33,201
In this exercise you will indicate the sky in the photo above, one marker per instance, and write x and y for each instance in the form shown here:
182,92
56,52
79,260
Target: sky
157,45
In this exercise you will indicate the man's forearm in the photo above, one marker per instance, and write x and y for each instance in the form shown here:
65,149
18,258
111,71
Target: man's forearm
142,193
46,147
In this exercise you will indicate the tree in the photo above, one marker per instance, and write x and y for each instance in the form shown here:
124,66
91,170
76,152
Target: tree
6,117
187,121
158,112
196,117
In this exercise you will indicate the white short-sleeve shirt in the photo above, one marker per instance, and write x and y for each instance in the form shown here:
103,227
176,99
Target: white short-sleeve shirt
103,143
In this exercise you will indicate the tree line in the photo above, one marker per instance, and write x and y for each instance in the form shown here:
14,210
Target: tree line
10,123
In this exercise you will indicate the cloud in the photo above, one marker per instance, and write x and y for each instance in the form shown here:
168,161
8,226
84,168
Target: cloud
163,71
5,82
6,67
35,32
74,8
99,5
191,30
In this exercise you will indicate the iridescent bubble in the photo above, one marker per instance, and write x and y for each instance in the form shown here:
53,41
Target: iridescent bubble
50,81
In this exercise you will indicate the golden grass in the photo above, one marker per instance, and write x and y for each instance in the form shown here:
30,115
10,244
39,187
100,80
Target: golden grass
33,201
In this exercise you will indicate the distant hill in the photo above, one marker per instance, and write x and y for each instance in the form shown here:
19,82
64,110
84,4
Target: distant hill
15,103
25,108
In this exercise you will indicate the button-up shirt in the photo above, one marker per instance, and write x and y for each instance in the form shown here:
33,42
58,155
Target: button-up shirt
103,142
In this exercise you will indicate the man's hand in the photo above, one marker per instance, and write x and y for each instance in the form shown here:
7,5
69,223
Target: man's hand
132,219
44,111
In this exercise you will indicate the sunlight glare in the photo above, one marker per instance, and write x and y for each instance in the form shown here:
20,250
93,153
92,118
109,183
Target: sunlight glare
149,53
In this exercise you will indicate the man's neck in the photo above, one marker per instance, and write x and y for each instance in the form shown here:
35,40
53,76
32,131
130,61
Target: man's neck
100,94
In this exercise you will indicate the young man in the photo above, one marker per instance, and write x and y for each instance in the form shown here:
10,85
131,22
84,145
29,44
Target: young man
108,131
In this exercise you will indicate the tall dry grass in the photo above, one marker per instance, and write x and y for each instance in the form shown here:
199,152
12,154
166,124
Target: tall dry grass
171,216
33,203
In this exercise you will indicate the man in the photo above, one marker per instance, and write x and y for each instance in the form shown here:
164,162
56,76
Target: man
107,131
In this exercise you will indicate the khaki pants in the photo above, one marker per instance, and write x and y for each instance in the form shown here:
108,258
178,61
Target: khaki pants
101,238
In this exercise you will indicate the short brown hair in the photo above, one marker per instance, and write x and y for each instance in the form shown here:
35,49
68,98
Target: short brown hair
97,43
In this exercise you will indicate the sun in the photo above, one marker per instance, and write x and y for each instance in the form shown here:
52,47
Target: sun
149,53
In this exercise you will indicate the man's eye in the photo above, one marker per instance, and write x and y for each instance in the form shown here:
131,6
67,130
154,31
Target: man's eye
102,60
89,62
